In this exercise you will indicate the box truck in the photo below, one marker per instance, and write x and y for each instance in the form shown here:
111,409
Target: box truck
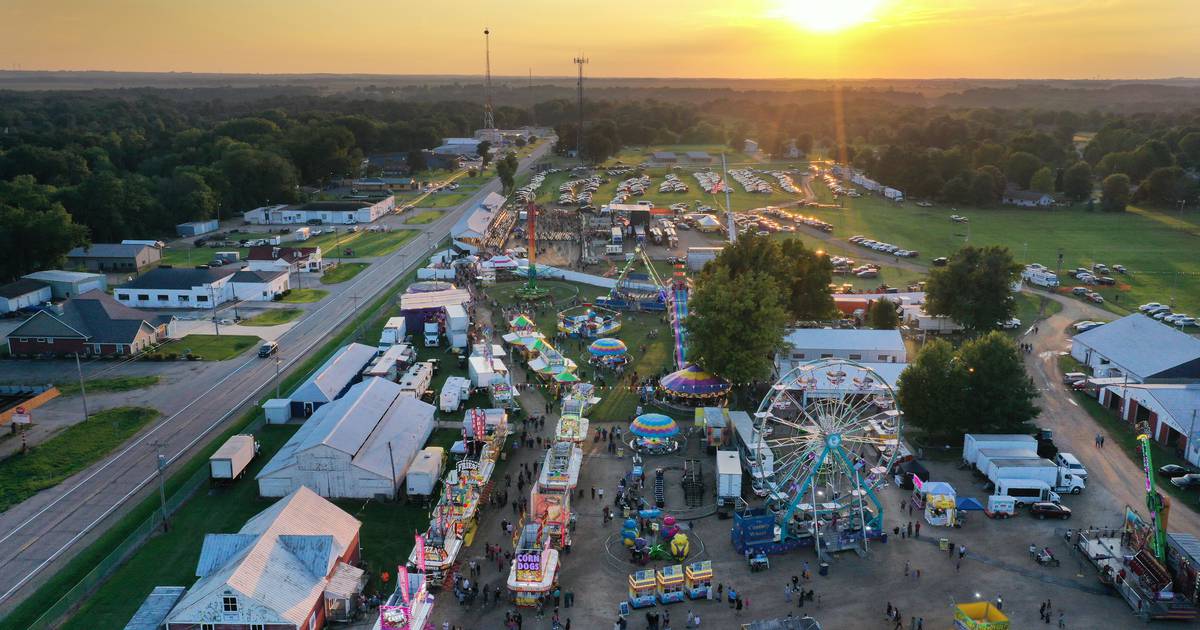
231,460
729,477
984,456
1026,491
972,442
302,234
1040,277
423,472
1059,479
393,332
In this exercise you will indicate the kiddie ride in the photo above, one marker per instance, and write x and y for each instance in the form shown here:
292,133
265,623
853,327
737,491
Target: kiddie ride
588,321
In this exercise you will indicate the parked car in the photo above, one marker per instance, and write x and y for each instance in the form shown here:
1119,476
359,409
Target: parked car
1096,297
1106,280
1186,481
1079,290
1086,325
1074,377
1049,509
1172,471
268,348
1011,324
1119,268
1150,306
940,261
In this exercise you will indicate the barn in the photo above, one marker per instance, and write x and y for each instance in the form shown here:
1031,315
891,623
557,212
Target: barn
332,379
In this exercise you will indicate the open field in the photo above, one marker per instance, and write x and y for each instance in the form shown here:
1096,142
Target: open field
211,347
424,217
342,273
304,296
72,450
1157,247
361,244
115,384
273,317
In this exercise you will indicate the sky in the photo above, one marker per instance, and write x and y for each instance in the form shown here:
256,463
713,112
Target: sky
1088,39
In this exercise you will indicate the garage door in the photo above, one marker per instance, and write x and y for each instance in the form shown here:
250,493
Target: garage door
274,487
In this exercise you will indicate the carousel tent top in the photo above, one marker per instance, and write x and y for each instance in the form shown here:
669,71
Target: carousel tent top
693,381
654,425
607,346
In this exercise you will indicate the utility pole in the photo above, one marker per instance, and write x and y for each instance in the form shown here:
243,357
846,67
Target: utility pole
532,104
212,295
580,61
728,203
278,361
82,389
161,461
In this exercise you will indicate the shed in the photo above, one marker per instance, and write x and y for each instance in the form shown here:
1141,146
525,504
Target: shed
23,293
332,379
482,374
68,284
196,228
155,608
277,410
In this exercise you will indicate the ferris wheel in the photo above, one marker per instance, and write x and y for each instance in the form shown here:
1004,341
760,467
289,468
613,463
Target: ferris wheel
827,434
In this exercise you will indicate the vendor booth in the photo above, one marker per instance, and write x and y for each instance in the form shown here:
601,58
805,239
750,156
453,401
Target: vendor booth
643,588
670,584
937,500
979,616
698,579
533,575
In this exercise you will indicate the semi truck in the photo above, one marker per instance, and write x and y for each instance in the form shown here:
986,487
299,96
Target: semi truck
729,478
231,460
433,334
972,442
1059,479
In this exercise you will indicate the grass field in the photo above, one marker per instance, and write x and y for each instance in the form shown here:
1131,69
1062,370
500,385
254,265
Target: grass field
115,384
361,244
1157,247
183,254
1031,308
424,217
49,463
304,296
212,347
342,273
273,317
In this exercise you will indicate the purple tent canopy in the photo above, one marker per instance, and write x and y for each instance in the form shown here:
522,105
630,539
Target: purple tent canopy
692,381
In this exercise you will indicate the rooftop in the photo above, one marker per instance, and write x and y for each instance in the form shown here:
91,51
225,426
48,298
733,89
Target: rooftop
107,250
272,252
1144,347
845,339
178,278
21,287
58,275
316,206
95,316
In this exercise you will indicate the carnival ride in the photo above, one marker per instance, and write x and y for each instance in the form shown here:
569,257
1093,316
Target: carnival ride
588,321
572,426
653,433
637,292
688,385
531,291
832,428
609,351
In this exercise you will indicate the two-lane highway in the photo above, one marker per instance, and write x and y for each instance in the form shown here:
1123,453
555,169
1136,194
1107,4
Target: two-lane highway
41,533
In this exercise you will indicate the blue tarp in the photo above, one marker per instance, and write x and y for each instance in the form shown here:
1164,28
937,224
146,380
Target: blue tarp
967,503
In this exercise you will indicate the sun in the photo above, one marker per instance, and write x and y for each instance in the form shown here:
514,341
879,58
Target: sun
827,16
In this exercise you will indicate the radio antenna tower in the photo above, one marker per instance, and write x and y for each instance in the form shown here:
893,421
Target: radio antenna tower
579,61
489,119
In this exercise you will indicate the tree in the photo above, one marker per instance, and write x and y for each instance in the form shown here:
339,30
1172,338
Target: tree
1166,186
882,315
932,392
983,189
1000,390
1020,167
957,190
506,170
34,225
416,161
1042,181
806,275
735,323
519,141
186,196
322,152
975,288
1189,147
597,146
1114,193
484,151
1077,181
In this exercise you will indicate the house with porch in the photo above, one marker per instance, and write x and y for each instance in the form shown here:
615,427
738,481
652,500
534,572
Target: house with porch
92,324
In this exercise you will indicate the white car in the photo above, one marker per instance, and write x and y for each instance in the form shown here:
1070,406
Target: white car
1185,321
1086,326
1011,324
1163,314
1150,306
1174,318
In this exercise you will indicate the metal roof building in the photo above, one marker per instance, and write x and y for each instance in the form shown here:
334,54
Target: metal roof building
332,379
155,608
358,446
1140,348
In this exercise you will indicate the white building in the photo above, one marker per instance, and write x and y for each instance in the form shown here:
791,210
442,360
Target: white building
1026,198
861,345
288,568
472,229
69,284
259,286
332,379
288,259
358,446
458,146
173,287
1139,348
23,293
1170,410
915,317
346,212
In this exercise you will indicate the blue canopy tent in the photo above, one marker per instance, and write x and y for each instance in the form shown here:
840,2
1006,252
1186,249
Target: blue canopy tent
968,503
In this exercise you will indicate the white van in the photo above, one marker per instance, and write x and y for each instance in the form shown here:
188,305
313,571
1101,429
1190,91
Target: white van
1071,463
1026,491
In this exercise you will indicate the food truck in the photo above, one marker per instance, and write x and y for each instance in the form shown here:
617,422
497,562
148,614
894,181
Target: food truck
670,584
698,579
534,570
643,588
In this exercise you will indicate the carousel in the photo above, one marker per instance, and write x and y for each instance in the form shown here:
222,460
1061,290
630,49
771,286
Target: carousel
654,434
588,321
609,352
693,387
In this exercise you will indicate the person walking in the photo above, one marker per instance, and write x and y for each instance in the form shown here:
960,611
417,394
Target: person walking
1061,622
918,530
738,608
962,551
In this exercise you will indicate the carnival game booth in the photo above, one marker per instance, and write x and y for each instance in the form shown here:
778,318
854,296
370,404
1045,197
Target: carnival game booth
937,500
560,469
979,616
697,578
654,433
670,584
714,421
441,547
693,387
609,352
551,512
534,570
409,607
572,426
588,321
548,361
643,588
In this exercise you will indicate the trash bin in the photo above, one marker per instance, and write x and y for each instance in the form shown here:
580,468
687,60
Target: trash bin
944,544
823,569
883,538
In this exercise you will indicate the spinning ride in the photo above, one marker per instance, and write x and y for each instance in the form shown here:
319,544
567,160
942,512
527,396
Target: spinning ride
653,433
609,351
587,321
829,426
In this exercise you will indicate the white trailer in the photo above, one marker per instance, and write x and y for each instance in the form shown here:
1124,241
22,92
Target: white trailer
416,380
393,332
984,456
972,442
1026,491
1040,277
455,392
424,471
729,477
231,460
1044,470
456,319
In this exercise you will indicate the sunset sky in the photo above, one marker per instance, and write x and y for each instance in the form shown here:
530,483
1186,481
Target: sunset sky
662,38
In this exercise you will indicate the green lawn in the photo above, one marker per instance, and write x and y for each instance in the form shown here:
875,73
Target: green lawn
304,296
77,447
211,347
1157,247
273,317
1031,308
183,254
115,384
342,273
361,244
425,217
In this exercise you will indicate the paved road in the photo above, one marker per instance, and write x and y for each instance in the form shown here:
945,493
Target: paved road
42,532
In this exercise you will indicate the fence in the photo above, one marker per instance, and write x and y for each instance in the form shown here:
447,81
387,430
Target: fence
127,547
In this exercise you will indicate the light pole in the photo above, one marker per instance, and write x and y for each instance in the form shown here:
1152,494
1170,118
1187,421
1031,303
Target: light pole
212,296
82,389
162,493
278,361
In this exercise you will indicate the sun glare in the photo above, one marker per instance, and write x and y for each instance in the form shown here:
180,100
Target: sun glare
827,15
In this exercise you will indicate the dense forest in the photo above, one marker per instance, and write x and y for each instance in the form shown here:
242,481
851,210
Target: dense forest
102,165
